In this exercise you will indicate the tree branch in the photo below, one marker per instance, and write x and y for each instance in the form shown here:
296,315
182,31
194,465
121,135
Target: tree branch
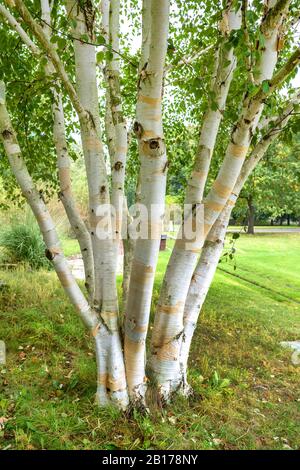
49,48
18,28
188,59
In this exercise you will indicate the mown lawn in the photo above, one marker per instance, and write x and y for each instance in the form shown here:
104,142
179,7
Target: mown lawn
246,389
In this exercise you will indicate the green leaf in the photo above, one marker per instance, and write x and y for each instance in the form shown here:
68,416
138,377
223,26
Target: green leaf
84,38
100,40
265,86
61,42
100,56
109,55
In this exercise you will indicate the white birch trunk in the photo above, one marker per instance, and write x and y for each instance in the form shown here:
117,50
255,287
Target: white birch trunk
212,249
225,66
115,123
251,112
64,165
168,325
200,283
112,381
152,151
66,195
119,160
180,299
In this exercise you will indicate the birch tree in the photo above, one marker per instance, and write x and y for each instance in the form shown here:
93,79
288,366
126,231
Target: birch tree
94,81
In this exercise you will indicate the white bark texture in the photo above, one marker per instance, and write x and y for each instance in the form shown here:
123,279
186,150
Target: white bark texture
63,160
115,123
225,65
251,112
111,380
184,288
152,151
66,196
64,165
119,161
168,325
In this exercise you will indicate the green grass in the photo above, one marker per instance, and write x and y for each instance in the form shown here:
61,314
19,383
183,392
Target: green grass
271,260
246,388
281,227
70,246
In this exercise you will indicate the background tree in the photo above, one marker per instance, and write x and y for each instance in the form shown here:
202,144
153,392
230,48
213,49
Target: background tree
271,191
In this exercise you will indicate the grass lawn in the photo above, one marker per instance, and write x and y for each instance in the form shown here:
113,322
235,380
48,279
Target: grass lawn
246,388
266,227
70,246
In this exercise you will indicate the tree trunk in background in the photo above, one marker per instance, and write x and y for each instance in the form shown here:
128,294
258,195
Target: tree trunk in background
251,216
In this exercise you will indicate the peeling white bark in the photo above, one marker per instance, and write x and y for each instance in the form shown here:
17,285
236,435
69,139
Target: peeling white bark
180,299
110,361
152,151
66,195
64,165
225,66
168,326
118,158
246,126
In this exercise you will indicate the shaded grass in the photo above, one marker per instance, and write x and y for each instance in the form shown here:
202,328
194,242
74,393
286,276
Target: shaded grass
246,389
